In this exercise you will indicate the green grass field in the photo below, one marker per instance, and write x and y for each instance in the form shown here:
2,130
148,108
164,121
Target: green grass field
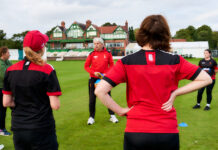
74,134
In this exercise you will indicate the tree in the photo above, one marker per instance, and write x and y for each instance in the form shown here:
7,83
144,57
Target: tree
109,24
183,34
204,33
2,35
131,34
214,41
135,32
18,39
191,31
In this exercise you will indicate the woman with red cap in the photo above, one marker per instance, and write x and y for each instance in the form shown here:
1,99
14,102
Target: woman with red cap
152,76
31,89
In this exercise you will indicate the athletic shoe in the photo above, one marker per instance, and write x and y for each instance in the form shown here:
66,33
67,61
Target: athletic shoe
114,119
1,146
206,108
196,106
4,132
91,121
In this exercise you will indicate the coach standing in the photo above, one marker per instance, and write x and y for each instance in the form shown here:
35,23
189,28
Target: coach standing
98,61
4,64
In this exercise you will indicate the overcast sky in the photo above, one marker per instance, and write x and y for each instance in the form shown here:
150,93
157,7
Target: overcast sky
20,15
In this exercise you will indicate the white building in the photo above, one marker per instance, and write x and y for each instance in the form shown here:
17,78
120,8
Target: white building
194,49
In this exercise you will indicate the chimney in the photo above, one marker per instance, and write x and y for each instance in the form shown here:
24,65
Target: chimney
88,23
126,25
63,24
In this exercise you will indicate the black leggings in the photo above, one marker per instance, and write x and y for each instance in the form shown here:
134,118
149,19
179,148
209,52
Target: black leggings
209,89
2,111
38,139
92,98
151,141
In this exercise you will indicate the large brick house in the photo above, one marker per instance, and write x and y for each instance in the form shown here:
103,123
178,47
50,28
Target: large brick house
80,37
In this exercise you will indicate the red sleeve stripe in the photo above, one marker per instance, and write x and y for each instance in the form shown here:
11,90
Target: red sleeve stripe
54,93
7,92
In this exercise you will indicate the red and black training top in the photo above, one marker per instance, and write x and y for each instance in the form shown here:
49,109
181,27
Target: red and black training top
209,66
98,61
151,76
31,85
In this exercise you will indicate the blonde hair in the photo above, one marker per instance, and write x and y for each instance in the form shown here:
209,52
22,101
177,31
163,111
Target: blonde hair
35,57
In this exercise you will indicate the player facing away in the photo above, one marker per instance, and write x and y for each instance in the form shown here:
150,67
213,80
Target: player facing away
209,65
151,76
4,64
31,89
97,64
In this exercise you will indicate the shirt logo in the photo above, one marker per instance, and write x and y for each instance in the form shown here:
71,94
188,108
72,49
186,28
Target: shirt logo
95,57
150,57
105,56
43,44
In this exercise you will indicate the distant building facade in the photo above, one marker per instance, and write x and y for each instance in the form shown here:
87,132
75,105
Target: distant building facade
80,37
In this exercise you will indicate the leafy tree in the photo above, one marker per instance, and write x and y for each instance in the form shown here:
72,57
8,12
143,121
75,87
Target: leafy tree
214,41
135,31
18,39
203,33
2,35
183,34
131,34
109,24
191,31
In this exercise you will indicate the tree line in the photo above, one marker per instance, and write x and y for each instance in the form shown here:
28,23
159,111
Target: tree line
203,33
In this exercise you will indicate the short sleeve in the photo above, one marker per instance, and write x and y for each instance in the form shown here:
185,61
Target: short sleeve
116,74
215,64
186,70
53,87
6,89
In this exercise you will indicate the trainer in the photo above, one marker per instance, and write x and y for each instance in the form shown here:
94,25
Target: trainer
31,88
98,61
209,65
4,64
152,76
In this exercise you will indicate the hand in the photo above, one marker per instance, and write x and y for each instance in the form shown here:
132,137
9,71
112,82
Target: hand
169,104
124,111
96,74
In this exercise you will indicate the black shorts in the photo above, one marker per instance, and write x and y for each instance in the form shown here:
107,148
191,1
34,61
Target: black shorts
35,140
151,141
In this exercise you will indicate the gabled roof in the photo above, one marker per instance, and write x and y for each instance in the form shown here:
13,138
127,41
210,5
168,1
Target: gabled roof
107,29
110,29
81,25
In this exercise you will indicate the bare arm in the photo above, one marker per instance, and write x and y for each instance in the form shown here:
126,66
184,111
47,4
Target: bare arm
202,80
101,92
8,101
54,102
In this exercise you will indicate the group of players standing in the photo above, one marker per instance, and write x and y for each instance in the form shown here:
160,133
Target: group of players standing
31,89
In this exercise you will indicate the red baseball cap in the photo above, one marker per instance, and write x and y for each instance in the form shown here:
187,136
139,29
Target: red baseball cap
35,40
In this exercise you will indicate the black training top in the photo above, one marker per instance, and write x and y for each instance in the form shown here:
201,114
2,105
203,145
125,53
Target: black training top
209,66
31,85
